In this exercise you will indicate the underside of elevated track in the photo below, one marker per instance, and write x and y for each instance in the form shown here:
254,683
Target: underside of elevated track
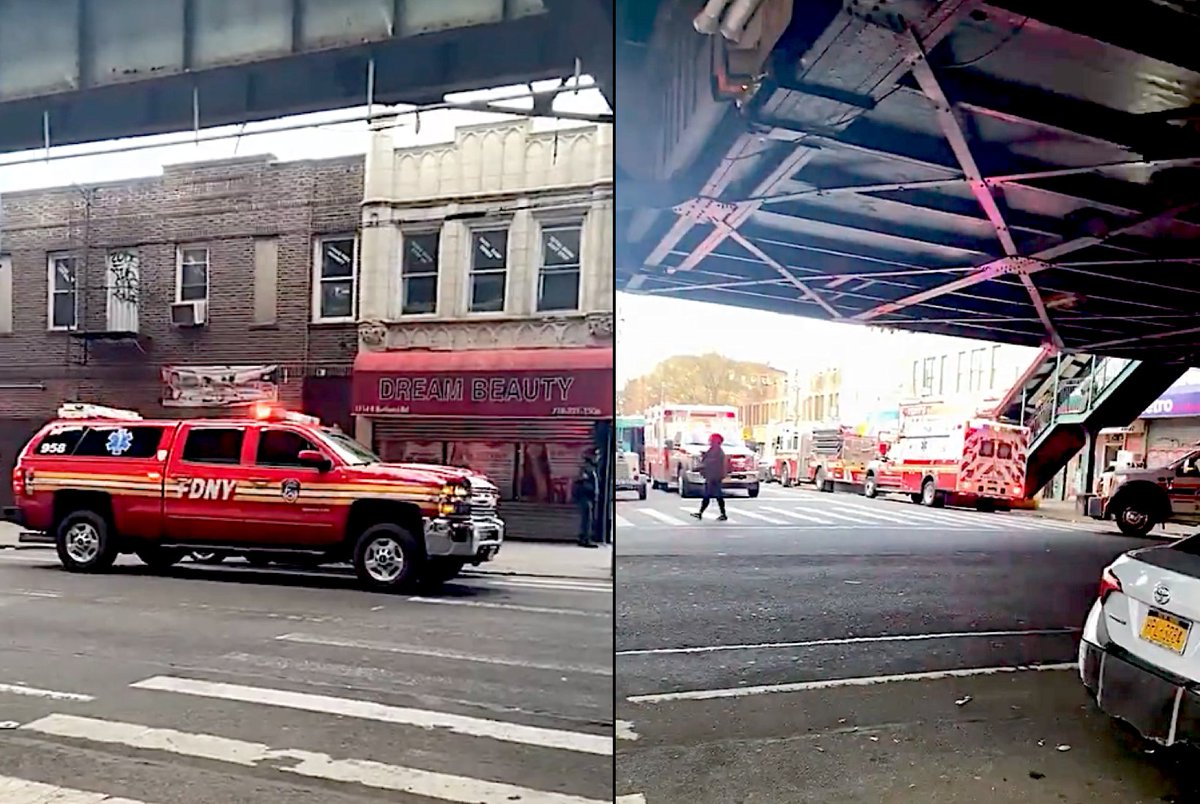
1026,172
75,71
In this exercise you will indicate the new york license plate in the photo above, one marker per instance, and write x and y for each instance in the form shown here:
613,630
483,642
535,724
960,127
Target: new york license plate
1166,630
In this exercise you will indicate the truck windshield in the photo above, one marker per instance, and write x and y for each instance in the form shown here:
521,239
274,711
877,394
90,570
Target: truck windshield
349,450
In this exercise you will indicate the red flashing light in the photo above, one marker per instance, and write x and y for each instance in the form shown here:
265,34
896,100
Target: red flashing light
729,414
1109,583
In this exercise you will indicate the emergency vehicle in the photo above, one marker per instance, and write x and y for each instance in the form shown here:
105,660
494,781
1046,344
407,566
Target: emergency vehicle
941,458
676,437
840,456
792,457
1138,498
631,448
273,485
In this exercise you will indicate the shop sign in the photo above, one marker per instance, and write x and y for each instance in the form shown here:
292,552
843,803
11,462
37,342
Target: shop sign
1176,402
533,394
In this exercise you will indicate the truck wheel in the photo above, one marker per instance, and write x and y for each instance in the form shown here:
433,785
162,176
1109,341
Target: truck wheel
160,558
685,488
821,483
929,495
753,490
870,488
387,558
85,542
1133,520
785,476
642,492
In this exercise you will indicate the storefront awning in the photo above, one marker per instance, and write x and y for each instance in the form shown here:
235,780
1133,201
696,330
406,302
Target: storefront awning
523,383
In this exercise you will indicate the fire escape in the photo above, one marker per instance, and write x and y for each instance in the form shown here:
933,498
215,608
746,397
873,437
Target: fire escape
118,323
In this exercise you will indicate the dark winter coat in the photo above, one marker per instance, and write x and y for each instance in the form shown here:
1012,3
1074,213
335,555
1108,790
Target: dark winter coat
712,465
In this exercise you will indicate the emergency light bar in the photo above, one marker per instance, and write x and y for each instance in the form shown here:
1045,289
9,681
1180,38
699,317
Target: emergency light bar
82,410
266,412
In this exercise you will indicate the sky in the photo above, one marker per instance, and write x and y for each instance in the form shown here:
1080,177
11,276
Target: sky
329,134
650,328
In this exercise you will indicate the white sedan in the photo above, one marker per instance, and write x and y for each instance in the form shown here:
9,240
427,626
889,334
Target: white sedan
1138,655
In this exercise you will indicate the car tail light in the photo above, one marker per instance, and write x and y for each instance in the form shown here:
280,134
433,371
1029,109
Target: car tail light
18,482
1109,583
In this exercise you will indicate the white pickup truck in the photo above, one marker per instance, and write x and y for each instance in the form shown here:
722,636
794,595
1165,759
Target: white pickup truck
628,475
1139,499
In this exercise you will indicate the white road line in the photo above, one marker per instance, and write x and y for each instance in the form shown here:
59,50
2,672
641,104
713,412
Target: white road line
729,520
412,650
815,643
34,692
310,764
552,586
625,730
483,604
767,519
383,713
660,516
870,515
795,515
622,522
833,683
633,798
21,791
836,515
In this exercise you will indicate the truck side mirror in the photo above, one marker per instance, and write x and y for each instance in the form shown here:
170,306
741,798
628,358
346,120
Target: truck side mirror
314,459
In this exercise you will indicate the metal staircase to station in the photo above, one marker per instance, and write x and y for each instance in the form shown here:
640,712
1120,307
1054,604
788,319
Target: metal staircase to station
1064,398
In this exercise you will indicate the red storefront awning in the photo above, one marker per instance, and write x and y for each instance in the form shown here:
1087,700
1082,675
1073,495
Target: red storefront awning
525,383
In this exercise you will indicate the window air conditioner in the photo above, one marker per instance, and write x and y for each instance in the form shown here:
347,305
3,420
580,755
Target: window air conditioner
189,314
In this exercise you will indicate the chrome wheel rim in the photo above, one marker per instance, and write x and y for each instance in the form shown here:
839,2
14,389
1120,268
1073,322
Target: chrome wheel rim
83,542
383,559
1134,517
927,493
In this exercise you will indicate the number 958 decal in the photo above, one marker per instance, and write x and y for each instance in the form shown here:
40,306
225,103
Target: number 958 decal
52,448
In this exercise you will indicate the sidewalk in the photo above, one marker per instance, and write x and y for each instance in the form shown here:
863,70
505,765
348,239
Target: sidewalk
1064,510
544,559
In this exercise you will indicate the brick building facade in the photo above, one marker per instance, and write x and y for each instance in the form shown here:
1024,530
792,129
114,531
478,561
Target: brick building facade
89,276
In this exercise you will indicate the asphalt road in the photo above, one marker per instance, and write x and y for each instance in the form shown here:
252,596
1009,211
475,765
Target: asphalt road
772,658
231,686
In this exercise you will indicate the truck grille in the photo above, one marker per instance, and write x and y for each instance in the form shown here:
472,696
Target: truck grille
483,505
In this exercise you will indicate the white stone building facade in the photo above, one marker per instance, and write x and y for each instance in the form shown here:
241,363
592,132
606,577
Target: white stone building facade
488,255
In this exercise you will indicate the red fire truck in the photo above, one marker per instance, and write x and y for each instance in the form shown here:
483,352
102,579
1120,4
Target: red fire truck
840,456
942,458
792,452
676,437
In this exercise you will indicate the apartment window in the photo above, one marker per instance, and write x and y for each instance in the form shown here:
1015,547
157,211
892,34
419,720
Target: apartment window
995,366
960,383
64,291
558,281
489,258
191,278
419,272
978,361
941,380
336,278
927,370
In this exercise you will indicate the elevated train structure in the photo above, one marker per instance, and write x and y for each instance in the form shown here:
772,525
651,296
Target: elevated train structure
1027,173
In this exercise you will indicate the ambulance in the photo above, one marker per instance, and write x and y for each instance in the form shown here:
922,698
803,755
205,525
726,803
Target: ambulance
942,456
678,435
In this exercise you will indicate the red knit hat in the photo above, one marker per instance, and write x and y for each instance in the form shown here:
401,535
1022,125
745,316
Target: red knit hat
716,439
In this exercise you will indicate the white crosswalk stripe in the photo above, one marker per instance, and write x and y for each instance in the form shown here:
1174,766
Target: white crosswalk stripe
172,735
795,514
310,764
760,517
666,519
622,522
800,510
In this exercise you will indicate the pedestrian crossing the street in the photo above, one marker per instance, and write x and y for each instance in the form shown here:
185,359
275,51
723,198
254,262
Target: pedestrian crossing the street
790,510
305,738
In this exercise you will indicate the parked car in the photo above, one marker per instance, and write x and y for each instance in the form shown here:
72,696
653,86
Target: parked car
1138,656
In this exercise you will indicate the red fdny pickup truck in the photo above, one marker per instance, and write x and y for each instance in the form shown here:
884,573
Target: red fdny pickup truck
276,485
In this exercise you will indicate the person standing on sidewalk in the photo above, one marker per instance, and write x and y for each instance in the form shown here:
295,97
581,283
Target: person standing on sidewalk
585,492
712,468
